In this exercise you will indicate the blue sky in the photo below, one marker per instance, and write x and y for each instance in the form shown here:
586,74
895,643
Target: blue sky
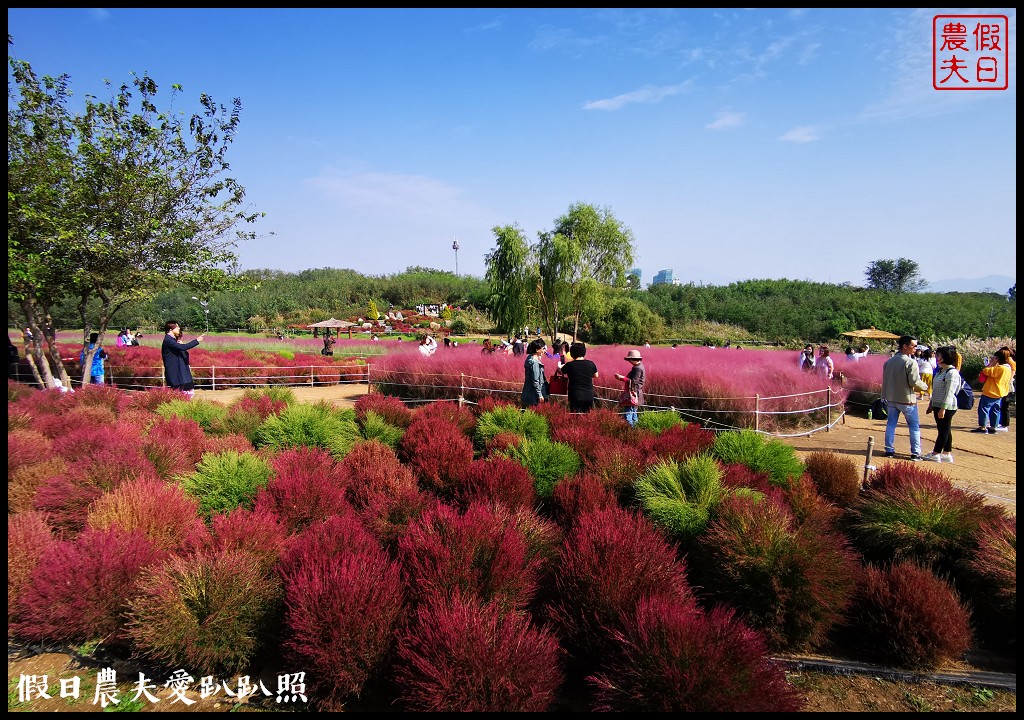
736,144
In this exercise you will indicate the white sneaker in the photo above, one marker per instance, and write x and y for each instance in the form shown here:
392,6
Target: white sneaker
1002,429
947,458
933,457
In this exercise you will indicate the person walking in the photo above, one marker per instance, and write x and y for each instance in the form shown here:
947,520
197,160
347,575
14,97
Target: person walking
97,373
1004,404
996,376
581,374
946,383
633,392
535,386
900,381
177,371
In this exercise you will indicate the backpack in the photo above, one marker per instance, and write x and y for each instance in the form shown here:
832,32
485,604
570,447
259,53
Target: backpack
965,396
880,409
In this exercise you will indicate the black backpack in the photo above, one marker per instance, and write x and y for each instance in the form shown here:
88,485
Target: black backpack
880,409
965,395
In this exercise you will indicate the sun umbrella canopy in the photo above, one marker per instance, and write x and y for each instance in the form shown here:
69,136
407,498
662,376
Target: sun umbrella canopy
872,333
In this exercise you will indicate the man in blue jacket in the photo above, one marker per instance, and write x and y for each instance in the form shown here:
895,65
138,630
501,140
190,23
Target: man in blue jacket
98,371
177,372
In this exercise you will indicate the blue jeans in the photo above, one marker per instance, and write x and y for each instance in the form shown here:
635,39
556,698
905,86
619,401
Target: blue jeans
913,424
988,411
631,415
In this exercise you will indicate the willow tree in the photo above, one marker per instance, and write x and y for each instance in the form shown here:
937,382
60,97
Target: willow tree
589,249
509,278
144,198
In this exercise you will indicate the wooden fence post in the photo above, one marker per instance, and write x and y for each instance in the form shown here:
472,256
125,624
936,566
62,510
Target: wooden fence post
868,467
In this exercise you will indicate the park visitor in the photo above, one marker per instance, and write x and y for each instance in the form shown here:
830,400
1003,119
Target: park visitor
633,392
900,380
996,376
535,385
177,371
580,374
96,374
945,385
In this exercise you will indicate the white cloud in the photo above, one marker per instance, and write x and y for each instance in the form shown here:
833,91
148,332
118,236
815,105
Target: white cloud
99,13
727,119
804,134
648,94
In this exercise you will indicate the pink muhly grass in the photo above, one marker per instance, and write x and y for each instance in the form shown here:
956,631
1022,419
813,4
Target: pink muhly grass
80,589
496,480
163,512
308,486
341,616
257,532
175,445
473,552
576,496
437,452
672,658
391,409
462,654
207,611
609,561
28,538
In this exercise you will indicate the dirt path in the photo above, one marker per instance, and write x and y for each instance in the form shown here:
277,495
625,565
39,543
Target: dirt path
984,463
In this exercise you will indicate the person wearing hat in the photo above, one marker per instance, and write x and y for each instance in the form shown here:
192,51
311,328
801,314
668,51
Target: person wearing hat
633,392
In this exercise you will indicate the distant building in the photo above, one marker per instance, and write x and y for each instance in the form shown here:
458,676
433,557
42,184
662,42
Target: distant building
665,277
637,273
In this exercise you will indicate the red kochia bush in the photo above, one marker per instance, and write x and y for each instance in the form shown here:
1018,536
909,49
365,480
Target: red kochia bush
382,489
990,578
581,494
905,614
670,658
343,606
461,654
317,544
106,454
65,498
165,514
80,589
437,452
258,532
392,409
836,477
451,412
174,446
26,447
308,486
496,480
28,537
476,552
678,442
611,559
738,475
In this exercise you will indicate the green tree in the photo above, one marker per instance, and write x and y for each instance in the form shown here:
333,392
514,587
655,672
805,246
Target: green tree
509,273
144,201
897,276
589,246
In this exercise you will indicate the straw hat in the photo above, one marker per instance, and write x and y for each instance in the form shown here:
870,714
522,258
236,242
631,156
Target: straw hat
634,355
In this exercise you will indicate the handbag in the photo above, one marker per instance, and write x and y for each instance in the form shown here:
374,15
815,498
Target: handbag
559,384
629,397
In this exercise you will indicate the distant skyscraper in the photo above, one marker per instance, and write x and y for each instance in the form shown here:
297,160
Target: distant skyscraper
638,274
664,277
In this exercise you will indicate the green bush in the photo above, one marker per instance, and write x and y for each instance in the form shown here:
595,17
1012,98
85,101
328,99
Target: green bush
206,612
547,462
680,497
508,418
318,425
459,327
208,414
659,422
276,394
375,427
749,448
224,481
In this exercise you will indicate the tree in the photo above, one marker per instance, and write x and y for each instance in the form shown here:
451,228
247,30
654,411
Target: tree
896,276
136,200
588,248
509,274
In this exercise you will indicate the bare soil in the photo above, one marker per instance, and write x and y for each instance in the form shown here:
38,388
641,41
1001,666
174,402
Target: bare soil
984,463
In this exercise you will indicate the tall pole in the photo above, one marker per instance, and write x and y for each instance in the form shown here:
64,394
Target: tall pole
455,247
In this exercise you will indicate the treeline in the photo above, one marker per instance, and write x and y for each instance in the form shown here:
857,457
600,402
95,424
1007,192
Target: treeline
786,309
776,310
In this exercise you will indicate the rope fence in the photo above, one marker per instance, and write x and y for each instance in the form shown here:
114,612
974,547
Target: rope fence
822,412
